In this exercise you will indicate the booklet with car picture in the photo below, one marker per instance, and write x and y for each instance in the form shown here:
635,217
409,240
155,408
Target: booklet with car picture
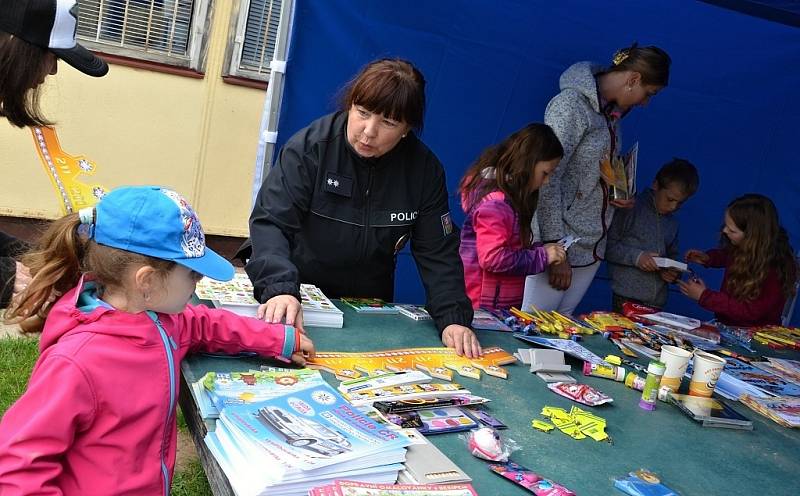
312,428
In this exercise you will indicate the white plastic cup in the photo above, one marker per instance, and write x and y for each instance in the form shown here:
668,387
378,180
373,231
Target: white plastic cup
707,369
676,359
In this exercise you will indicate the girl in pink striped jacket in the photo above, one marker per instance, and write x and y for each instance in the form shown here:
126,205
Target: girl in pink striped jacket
499,194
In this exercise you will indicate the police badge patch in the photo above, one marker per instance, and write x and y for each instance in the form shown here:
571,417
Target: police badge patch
447,224
338,184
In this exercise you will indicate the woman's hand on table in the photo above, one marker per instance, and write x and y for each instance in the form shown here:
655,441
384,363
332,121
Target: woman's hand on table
282,306
463,339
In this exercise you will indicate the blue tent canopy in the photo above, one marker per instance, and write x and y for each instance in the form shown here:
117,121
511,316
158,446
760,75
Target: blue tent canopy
731,107
783,11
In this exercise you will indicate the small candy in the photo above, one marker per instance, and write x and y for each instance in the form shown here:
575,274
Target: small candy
485,443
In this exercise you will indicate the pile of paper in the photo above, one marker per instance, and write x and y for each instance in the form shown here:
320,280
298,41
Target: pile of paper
788,370
739,378
782,409
236,296
216,389
318,311
289,443
352,488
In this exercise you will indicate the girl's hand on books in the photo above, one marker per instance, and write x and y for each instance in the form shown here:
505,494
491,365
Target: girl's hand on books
306,351
560,276
622,203
697,256
463,340
692,288
646,262
281,307
555,253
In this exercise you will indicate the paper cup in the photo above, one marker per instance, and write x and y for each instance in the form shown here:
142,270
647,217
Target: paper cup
676,359
707,368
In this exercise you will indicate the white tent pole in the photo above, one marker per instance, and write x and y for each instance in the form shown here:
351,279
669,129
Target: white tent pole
268,129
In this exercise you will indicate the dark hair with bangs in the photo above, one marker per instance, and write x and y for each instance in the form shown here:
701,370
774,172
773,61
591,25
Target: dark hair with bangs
392,87
22,67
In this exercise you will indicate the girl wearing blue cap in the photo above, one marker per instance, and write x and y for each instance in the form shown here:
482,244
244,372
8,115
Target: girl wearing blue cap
98,416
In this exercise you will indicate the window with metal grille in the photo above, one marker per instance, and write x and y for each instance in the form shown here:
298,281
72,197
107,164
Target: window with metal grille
156,30
255,33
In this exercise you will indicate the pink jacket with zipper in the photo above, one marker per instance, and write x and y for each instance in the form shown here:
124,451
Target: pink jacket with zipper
98,417
495,263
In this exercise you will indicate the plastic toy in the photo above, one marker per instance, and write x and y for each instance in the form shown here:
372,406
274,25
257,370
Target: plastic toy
486,443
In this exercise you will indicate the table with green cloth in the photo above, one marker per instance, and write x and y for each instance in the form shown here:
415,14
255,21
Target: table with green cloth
689,458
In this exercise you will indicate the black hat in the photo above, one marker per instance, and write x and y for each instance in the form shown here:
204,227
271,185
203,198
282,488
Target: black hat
50,24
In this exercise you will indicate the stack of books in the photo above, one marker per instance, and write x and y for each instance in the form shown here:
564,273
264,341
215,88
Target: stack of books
236,296
215,390
788,370
785,410
739,378
307,436
318,311
354,488
370,305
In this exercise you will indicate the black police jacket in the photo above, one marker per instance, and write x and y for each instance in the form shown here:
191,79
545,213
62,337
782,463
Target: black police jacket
329,217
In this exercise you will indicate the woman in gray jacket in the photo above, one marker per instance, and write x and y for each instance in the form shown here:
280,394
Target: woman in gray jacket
585,116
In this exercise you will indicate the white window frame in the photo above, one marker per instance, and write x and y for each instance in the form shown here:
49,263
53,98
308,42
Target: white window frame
195,57
236,42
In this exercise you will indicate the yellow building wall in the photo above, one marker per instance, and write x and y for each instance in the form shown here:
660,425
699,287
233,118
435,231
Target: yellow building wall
197,136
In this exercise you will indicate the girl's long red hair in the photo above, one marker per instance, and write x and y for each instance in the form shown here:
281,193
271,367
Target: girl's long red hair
765,247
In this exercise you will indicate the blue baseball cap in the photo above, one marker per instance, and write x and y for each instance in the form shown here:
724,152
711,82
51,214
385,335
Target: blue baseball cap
159,223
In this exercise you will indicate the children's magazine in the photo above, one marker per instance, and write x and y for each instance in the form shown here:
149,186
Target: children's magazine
311,428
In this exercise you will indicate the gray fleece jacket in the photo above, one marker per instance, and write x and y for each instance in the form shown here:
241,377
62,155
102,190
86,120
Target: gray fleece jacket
572,200
634,231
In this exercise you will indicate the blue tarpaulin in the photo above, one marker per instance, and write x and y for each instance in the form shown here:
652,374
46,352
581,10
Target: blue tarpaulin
731,107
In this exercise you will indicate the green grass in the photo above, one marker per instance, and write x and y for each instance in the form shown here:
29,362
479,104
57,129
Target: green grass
191,481
17,358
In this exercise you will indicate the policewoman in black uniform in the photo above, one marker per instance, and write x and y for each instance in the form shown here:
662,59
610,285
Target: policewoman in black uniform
345,195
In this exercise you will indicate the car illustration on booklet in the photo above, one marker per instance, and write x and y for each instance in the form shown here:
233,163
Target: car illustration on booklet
303,433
